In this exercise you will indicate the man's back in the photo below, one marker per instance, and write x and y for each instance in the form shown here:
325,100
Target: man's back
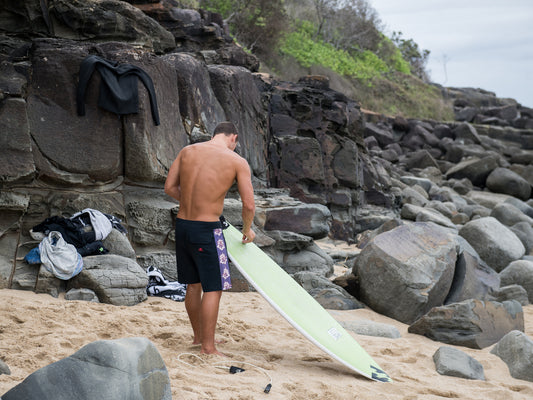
206,172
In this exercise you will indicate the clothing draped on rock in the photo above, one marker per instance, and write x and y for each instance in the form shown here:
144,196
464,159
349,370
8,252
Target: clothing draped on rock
118,91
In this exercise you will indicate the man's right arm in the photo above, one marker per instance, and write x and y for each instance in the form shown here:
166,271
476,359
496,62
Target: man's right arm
246,191
172,183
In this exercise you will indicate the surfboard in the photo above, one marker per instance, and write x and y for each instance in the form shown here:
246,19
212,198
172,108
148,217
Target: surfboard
298,307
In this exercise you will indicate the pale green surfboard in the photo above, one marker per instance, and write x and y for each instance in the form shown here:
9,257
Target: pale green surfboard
299,307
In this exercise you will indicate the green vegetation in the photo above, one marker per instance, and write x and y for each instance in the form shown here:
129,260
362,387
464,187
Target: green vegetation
341,39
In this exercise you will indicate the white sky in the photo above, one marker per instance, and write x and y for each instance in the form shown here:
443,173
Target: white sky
485,44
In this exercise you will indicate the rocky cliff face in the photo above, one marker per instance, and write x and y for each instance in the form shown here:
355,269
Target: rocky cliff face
302,136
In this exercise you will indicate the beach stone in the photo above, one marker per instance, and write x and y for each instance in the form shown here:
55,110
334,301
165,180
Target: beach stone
82,294
4,369
328,294
466,131
521,205
423,214
312,258
519,272
289,241
454,362
516,350
414,180
115,279
412,196
487,199
119,244
496,244
335,299
503,180
371,328
524,232
406,271
122,369
471,323
475,169
509,215
510,292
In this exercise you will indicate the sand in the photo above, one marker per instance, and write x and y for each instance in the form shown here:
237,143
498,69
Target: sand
37,329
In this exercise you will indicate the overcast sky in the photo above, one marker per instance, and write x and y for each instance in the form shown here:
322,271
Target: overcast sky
485,44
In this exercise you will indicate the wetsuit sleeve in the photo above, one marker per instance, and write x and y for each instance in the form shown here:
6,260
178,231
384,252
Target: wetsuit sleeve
149,85
86,70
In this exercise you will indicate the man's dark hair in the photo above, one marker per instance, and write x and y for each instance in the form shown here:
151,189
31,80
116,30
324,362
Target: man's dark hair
227,128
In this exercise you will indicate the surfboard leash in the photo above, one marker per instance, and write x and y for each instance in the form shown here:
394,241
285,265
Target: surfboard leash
232,369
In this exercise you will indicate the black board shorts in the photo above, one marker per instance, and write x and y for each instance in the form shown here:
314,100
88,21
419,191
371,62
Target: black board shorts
201,255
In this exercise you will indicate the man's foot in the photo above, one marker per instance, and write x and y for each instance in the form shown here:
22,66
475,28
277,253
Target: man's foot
217,341
214,352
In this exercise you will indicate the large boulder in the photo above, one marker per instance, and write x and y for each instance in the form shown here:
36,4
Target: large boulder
475,169
516,350
123,369
496,244
471,323
115,280
503,180
406,271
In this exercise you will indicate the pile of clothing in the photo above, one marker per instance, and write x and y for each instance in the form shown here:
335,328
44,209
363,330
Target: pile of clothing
159,286
64,241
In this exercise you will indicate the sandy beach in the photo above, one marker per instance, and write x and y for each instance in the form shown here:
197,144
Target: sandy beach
37,329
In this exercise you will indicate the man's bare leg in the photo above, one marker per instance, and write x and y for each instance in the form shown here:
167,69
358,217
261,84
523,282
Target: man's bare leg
193,305
209,316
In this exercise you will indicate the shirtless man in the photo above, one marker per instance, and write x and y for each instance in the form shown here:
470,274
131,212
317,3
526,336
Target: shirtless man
199,179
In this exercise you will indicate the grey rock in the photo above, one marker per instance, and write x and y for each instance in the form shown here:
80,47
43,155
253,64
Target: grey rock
371,328
82,294
307,219
454,362
487,199
509,215
412,196
131,368
521,205
405,272
496,244
466,131
510,292
524,231
473,279
313,259
471,323
289,241
4,368
413,180
117,243
165,260
422,214
476,170
503,180
516,350
115,280
335,299
519,272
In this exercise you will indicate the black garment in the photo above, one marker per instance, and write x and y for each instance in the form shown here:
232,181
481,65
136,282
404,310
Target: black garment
118,87
71,231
